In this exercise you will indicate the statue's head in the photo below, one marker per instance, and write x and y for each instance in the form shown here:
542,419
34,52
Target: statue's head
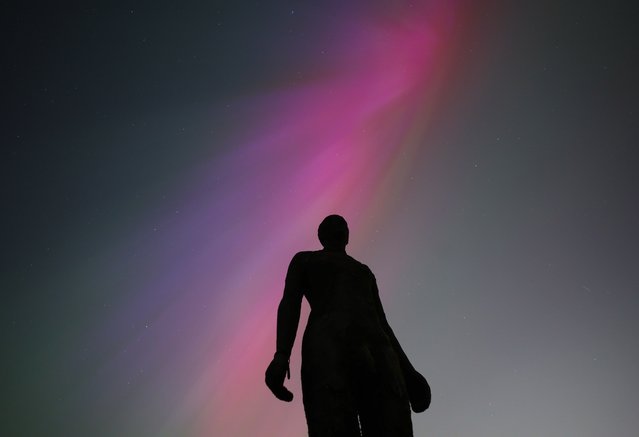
333,232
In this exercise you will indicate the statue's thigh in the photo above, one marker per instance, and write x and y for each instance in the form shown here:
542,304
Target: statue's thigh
381,398
330,412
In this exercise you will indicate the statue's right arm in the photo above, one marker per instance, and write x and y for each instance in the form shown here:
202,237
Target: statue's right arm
288,316
288,312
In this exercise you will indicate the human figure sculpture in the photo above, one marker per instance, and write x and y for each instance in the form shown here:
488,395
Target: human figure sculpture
356,379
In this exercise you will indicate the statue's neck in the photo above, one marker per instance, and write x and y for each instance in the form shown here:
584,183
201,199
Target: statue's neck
341,249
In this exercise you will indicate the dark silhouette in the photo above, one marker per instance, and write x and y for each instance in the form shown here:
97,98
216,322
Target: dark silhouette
356,379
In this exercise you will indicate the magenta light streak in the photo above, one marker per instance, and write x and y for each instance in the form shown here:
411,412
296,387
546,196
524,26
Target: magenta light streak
332,145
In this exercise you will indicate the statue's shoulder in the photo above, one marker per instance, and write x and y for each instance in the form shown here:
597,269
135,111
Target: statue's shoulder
304,253
302,256
360,265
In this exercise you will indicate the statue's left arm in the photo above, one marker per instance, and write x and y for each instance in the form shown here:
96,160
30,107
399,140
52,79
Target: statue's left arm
416,385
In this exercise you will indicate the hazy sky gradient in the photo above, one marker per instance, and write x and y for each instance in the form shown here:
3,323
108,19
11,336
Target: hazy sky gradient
146,156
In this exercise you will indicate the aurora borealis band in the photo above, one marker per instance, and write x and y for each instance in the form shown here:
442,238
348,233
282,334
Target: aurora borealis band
164,162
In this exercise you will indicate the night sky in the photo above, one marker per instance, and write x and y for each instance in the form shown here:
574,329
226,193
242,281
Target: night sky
163,161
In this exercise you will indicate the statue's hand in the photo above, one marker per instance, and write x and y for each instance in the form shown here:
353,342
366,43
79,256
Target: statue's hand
275,374
418,391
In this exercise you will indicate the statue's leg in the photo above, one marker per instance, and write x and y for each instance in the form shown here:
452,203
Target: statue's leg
328,399
383,416
382,401
330,413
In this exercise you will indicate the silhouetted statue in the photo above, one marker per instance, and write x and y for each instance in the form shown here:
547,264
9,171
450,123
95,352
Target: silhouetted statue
355,374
